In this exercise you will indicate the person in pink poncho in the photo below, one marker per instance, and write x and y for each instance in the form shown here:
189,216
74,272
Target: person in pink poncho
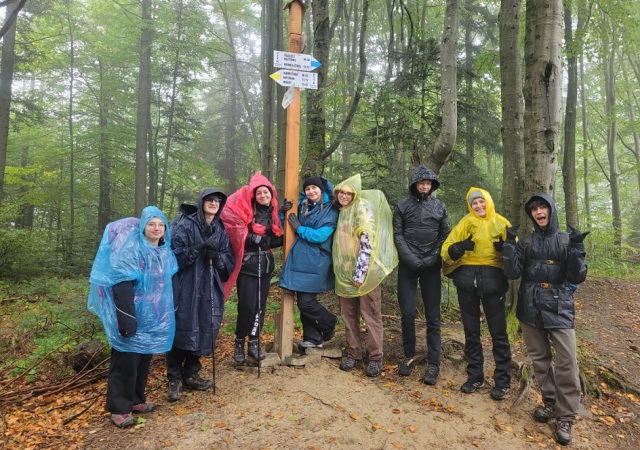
251,218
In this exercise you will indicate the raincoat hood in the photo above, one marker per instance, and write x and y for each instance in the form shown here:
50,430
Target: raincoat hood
125,255
237,216
367,213
484,231
420,173
554,226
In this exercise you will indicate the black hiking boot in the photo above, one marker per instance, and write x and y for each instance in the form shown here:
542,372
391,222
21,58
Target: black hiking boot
544,414
197,383
175,391
238,351
253,350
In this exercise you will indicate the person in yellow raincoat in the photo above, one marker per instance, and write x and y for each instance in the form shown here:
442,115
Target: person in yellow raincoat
472,257
363,255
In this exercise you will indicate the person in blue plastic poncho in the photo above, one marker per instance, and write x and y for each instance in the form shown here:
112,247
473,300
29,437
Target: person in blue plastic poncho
363,255
308,269
132,293
206,260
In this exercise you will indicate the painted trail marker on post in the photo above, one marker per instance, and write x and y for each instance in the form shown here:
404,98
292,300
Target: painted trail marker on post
295,78
294,61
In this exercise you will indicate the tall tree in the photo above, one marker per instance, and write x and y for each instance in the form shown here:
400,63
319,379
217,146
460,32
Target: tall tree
144,109
443,146
6,81
542,94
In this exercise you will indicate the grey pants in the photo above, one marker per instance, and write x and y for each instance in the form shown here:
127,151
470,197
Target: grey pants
558,380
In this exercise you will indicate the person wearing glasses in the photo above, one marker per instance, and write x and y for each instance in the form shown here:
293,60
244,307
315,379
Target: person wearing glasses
131,290
206,260
363,255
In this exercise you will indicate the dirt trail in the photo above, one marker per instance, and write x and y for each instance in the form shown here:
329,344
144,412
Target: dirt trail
321,407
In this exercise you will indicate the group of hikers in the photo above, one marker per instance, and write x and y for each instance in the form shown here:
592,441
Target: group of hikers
161,289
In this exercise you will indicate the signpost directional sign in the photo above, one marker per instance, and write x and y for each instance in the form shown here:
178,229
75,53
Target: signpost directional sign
295,61
295,78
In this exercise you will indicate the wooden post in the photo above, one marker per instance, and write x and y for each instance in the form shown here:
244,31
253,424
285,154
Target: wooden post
284,329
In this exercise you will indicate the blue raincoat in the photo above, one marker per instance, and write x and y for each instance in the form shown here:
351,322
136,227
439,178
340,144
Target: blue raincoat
125,255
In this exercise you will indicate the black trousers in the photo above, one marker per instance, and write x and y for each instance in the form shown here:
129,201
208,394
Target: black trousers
316,319
252,304
493,306
182,364
127,381
430,285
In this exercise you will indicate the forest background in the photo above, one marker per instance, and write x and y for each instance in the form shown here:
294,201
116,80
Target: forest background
107,106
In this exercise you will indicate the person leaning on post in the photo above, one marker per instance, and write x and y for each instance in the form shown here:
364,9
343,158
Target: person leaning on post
308,269
550,264
363,255
472,257
205,258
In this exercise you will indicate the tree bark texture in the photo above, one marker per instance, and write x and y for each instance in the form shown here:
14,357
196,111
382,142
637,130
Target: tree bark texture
443,146
543,106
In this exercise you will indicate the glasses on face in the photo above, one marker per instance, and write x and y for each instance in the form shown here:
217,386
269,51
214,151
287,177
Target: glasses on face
345,194
212,200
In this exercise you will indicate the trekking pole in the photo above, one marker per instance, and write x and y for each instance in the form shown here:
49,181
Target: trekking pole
259,307
213,336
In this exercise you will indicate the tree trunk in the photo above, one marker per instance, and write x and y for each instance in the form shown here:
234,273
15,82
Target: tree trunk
443,146
610,46
6,81
543,106
230,133
468,78
104,196
72,155
271,21
585,145
144,109
315,140
569,160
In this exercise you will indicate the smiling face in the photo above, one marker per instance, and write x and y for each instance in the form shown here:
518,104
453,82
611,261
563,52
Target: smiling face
263,196
541,213
344,198
210,206
154,231
313,193
423,186
479,206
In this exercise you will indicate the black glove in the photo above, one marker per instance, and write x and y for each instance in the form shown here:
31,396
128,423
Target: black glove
261,241
211,244
286,206
457,250
210,253
498,245
293,220
576,237
512,232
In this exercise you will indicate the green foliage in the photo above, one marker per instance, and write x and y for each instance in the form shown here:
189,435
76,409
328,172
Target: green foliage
46,323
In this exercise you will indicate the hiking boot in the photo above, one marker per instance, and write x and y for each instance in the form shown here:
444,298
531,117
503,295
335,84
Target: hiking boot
471,386
499,392
405,368
328,335
563,432
175,391
197,383
349,363
373,369
238,351
308,344
122,420
143,408
254,351
431,375
544,414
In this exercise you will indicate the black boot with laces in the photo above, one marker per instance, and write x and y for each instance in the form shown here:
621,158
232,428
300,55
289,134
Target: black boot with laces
253,351
238,351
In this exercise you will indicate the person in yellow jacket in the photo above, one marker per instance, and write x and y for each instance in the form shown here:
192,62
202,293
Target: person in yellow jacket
472,257
363,255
